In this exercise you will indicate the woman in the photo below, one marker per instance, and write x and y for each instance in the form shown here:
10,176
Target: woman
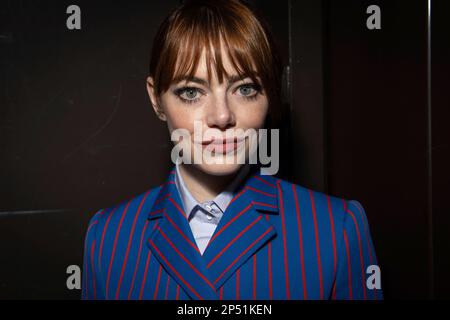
221,229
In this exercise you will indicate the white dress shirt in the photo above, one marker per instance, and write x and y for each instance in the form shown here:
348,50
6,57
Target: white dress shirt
204,217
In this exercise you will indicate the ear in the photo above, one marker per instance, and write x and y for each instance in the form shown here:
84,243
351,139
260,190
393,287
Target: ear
154,100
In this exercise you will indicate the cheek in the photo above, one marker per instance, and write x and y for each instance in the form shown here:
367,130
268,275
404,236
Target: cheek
179,116
253,116
180,119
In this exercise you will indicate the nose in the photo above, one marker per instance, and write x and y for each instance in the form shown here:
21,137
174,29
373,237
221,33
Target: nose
220,115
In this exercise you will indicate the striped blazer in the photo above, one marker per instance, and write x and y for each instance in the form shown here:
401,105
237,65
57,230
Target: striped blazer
276,240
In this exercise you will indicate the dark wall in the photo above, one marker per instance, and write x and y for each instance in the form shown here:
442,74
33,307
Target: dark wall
440,145
369,112
362,121
387,142
377,132
77,131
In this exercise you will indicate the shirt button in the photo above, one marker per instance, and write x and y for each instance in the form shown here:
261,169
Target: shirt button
208,207
209,217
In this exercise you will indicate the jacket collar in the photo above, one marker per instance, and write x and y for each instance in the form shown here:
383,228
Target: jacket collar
222,200
243,229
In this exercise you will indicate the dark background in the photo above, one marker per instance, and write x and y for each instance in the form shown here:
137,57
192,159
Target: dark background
366,117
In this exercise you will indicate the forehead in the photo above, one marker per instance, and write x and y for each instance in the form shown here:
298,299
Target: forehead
204,64
209,69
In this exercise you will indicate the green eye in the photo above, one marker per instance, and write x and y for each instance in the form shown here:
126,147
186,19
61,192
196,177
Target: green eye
191,93
250,91
246,90
187,94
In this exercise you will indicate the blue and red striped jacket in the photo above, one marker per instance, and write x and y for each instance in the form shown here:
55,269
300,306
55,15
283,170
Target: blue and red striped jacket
276,240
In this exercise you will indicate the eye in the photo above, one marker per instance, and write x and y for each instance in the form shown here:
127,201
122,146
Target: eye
188,94
249,90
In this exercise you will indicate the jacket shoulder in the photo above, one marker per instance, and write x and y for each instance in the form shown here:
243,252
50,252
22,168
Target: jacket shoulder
320,203
137,206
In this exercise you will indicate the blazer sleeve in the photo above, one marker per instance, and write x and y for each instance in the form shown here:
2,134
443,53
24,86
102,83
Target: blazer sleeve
89,286
358,276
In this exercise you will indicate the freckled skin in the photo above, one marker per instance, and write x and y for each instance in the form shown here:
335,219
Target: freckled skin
216,106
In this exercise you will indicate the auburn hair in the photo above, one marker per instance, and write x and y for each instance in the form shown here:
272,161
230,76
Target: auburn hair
198,25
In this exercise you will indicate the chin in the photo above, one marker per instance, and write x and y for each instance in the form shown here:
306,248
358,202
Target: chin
221,165
219,169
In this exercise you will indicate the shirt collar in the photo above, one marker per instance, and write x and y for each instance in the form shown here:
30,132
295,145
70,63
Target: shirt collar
222,200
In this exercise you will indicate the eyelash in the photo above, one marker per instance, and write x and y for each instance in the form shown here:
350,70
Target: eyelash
180,91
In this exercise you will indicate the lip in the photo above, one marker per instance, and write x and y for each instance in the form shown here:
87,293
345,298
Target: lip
222,145
222,141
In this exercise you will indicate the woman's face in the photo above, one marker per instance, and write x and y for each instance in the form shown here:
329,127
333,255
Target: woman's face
218,110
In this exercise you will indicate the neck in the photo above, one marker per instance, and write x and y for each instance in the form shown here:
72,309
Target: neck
203,186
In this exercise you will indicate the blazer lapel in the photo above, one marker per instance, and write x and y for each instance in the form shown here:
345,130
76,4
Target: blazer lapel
243,229
173,243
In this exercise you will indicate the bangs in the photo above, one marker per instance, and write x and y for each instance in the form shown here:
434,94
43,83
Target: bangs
205,30
189,56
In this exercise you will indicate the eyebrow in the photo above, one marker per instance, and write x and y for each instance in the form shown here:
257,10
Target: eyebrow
231,80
